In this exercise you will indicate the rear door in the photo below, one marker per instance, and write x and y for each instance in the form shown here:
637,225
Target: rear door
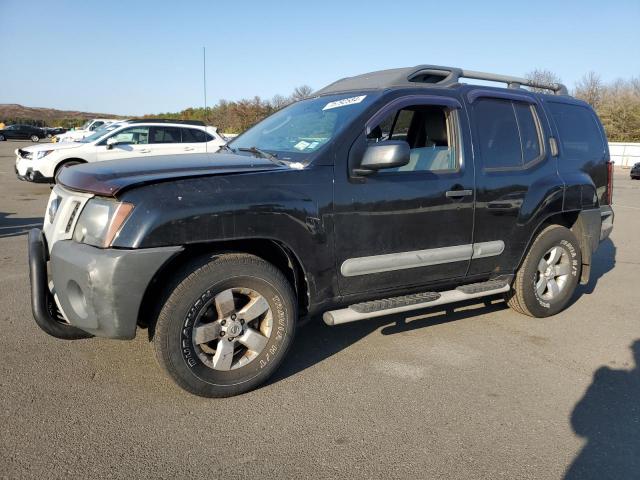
411,225
516,176
194,140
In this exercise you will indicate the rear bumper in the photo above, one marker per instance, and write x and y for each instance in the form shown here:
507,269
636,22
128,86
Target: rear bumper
98,290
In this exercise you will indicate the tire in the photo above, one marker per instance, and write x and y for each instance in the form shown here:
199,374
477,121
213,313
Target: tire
2,139
35,138
200,314
533,291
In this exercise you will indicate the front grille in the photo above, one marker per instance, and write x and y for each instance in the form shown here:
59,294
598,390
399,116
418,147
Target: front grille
25,154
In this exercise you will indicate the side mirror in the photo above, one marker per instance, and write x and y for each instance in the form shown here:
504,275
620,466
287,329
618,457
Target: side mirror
111,141
388,154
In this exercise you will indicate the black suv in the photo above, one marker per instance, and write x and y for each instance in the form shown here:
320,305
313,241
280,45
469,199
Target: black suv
22,132
383,193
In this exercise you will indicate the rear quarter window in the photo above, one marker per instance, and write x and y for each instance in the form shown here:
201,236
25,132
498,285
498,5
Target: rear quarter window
580,136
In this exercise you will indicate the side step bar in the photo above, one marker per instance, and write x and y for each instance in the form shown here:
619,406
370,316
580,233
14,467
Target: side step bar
416,301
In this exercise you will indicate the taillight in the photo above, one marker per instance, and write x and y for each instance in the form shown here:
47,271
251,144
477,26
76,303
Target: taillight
610,183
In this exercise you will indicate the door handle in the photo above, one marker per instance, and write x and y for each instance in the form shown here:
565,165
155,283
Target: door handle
188,149
458,193
144,150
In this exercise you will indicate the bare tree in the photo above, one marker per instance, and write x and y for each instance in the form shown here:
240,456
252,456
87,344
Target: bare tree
301,92
542,76
590,89
278,102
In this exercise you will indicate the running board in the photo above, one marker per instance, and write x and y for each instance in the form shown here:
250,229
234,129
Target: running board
416,301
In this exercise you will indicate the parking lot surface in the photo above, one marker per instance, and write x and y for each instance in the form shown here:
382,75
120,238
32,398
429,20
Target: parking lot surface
475,392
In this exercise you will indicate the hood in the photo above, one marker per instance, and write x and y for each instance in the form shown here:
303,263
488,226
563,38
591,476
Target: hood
113,176
51,146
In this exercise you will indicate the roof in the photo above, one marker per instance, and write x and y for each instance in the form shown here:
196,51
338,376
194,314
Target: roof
430,76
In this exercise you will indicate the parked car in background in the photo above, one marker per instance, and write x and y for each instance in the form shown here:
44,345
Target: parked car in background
635,171
383,193
87,129
51,131
123,139
22,132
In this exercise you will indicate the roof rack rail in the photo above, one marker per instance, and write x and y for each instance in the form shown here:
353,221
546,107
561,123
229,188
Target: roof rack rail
166,120
511,81
431,75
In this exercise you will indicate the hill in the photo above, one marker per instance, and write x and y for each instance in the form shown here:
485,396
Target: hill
15,113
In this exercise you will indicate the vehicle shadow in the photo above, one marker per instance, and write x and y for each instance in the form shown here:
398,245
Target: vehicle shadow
16,226
316,341
608,417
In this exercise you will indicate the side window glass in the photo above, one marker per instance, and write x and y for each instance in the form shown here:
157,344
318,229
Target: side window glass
191,135
579,134
428,131
529,133
133,136
95,125
165,135
498,136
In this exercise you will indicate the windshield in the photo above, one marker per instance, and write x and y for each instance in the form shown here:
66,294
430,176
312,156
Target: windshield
99,133
85,125
305,126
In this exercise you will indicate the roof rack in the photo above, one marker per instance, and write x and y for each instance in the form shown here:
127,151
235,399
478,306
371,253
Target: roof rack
166,120
434,76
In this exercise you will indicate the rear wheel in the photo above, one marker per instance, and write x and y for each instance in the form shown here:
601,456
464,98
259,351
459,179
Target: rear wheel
2,139
35,138
227,326
549,274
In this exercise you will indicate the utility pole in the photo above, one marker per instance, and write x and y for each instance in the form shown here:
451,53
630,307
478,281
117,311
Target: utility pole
204,80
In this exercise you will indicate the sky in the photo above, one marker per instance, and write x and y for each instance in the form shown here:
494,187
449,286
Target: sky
136,57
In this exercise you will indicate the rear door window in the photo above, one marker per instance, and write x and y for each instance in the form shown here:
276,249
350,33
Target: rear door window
508,133
192,135
579,133
165,135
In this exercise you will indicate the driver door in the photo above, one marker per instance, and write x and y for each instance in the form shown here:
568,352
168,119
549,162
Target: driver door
410,225
130,142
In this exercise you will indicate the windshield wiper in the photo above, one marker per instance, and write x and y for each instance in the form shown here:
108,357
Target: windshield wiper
269,156
258,152
227,147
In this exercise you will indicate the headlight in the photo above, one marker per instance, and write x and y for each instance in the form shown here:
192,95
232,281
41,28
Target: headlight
100,221
42,154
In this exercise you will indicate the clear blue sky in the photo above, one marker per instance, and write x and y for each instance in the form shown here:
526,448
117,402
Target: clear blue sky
134,57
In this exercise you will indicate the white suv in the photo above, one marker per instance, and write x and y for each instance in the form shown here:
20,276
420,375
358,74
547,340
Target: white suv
131,138
87,129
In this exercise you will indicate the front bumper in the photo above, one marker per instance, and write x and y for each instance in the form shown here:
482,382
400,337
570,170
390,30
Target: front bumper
33,176
25,171
99,291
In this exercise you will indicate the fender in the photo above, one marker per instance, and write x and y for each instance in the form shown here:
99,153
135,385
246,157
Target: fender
291,208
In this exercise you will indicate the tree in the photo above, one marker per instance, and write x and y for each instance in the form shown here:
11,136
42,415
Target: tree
301,92
590,89
542,76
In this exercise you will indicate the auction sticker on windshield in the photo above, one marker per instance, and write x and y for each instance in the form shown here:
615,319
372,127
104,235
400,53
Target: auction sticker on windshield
344,102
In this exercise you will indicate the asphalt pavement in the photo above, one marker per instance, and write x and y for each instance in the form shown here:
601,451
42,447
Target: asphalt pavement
475,392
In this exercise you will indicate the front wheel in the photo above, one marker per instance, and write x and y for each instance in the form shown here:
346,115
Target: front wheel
549,274
226,327
35,138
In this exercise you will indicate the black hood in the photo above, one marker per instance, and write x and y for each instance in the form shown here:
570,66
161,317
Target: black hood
112,176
